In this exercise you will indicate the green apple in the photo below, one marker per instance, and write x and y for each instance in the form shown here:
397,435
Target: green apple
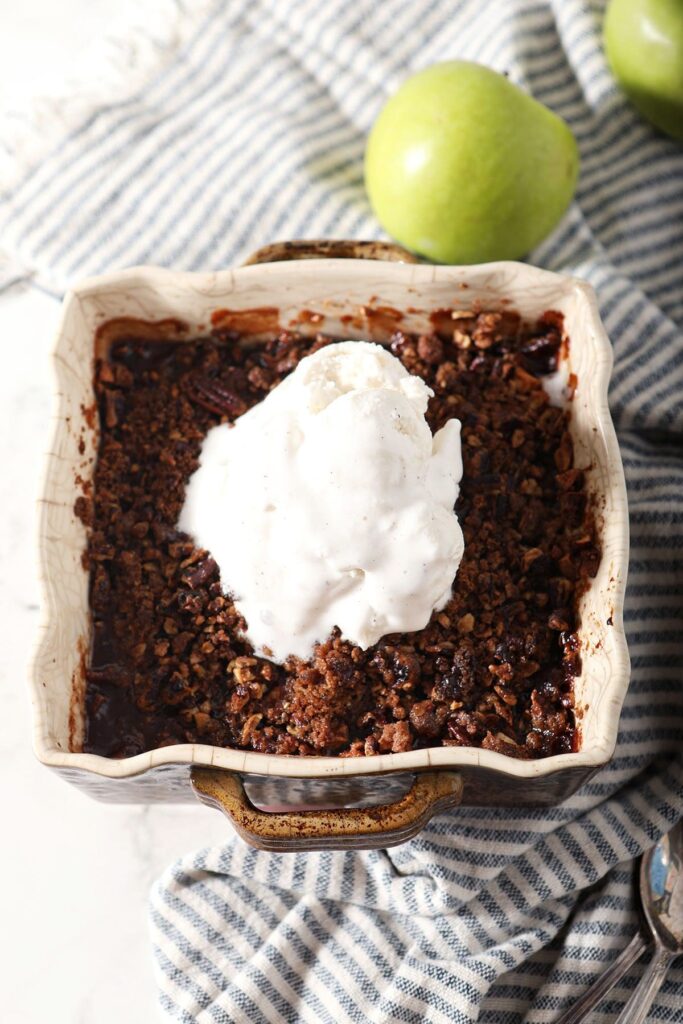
644,45
462,166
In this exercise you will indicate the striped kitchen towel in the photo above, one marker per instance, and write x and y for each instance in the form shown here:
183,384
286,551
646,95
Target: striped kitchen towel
216,127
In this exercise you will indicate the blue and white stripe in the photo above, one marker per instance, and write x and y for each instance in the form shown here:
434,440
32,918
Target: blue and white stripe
252,130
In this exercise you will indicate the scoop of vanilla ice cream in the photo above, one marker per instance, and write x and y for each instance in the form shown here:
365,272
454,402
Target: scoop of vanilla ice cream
331,504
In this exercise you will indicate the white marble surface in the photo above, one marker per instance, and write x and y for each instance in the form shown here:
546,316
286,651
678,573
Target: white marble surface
74,873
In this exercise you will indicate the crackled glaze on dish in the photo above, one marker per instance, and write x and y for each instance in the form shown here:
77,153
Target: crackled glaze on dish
333,289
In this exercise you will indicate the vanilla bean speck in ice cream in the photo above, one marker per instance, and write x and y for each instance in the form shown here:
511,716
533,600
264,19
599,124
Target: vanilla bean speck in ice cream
331,504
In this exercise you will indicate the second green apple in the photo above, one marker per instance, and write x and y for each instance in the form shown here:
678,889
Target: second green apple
644,45
462,166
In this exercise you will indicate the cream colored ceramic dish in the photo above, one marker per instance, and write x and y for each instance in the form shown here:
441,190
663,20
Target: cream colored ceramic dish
391,795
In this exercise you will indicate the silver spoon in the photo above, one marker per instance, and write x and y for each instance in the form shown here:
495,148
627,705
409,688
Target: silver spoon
661,894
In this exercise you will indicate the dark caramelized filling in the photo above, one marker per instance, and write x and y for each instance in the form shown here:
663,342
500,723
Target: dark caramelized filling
493,669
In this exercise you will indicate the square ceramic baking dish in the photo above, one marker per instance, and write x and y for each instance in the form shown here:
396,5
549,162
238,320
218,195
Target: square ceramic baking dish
280,802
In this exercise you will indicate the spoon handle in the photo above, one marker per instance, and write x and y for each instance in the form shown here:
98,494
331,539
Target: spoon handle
638,1006
607,980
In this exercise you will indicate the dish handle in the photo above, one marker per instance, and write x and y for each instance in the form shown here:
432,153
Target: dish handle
330,248
356,828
